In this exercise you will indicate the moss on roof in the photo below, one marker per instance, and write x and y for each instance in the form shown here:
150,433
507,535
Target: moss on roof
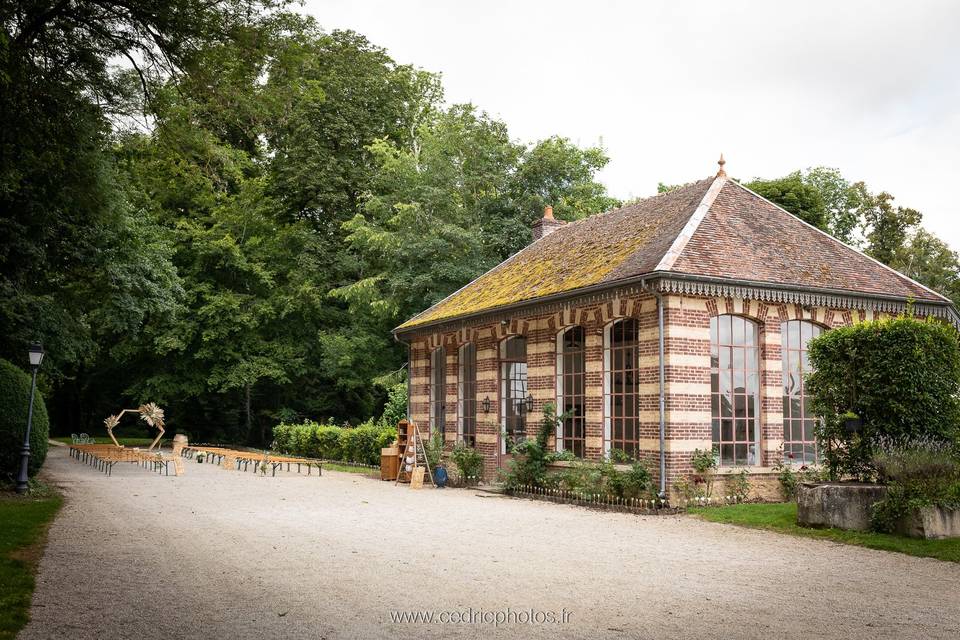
603,248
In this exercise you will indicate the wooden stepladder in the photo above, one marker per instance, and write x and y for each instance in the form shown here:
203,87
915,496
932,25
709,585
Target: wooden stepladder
413,465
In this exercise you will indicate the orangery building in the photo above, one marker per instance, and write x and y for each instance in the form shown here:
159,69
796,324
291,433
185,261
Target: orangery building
672,324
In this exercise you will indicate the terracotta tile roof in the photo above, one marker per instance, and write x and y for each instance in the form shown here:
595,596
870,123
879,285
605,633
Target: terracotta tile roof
712,228
748,238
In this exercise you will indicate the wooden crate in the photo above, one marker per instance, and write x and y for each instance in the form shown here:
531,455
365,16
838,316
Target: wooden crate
389,463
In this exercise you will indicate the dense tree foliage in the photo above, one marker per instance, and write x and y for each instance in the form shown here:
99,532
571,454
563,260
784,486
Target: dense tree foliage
231,223
795,195
927,259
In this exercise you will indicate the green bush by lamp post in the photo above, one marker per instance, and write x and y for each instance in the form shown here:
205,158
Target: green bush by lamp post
36,357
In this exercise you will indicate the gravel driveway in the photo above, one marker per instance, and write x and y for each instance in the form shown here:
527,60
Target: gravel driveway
232,555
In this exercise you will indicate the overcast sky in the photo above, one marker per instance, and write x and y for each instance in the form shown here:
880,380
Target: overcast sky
871,88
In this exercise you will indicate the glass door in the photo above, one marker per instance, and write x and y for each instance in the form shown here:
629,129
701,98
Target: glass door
513,393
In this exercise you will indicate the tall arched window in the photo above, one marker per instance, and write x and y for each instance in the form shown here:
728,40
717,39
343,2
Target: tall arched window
799,442
467,394
571,387
438,391
735,389
621,360
513,390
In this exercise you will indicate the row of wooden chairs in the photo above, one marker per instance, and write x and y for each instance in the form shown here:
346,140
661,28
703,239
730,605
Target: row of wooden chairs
104,456
237,459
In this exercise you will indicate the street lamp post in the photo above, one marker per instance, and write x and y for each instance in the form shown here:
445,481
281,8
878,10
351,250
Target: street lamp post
36,357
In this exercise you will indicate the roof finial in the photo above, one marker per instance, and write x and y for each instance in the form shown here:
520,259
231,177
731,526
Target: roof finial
721,173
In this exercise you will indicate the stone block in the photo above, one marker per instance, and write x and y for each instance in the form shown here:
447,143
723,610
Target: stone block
841,505
931,523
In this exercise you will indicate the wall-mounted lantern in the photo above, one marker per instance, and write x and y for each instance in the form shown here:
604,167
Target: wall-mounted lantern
486,404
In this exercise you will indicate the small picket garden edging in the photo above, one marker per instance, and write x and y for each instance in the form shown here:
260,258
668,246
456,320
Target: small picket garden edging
642,506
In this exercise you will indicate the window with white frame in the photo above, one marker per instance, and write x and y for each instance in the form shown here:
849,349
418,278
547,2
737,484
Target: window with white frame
735,390
621,360
799,441
571,391
438,392
467,395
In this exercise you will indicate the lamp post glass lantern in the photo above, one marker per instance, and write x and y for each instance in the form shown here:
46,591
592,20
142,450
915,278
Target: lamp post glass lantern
35,354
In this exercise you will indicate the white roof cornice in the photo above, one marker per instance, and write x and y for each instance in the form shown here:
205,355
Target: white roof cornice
680,242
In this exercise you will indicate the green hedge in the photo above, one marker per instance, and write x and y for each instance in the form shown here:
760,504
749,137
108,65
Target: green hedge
14,402
900,376
330,442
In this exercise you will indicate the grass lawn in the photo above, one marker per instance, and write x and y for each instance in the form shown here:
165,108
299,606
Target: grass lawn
782,517
23,530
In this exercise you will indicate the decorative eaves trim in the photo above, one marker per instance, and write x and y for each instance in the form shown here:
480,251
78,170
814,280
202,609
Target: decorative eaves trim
695,286
778,295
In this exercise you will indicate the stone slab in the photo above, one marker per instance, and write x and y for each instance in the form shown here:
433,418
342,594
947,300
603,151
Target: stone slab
931,523
841,505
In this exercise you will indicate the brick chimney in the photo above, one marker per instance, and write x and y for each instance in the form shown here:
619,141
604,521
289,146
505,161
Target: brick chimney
546,225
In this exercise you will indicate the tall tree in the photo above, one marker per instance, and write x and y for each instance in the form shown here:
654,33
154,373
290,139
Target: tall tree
842,201
886,226
558,173
796,195
456,202
927,259
243,174
333,95
81,265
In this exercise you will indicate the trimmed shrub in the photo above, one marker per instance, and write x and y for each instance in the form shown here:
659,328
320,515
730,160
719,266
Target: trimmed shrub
360,443
14,403
900,376
282,437
330,442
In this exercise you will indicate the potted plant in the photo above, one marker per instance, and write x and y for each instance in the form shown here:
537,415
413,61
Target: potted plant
434,452
852,423
200,457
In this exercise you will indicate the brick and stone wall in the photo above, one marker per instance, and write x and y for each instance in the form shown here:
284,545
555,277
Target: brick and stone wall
686,368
